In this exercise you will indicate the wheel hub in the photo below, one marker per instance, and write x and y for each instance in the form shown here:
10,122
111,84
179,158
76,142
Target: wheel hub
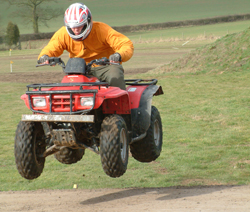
123,140
156,133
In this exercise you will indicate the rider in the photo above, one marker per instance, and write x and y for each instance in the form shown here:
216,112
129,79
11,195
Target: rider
84,38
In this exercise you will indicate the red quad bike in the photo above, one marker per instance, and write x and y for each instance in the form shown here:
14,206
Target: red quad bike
83,113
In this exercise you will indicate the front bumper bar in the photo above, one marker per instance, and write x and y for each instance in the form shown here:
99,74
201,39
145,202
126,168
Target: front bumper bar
58,118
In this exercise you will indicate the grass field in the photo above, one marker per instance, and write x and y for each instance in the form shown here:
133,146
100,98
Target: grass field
120,13
205,124
204,109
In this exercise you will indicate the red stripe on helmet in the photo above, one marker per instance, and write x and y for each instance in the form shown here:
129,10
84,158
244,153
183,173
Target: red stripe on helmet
66,15
75,18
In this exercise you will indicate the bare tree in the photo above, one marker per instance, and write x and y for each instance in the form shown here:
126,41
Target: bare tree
35,11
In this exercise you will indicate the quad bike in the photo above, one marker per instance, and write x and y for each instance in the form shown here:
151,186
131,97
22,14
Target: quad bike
83,113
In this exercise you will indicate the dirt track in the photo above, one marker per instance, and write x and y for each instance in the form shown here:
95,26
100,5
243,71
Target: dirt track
212,198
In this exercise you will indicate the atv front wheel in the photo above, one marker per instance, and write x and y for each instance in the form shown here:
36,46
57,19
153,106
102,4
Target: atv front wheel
114,146
68,156
149,148
29,147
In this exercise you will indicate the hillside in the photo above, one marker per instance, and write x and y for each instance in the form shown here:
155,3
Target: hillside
229,53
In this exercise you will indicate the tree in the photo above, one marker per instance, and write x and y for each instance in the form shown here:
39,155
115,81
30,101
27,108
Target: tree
32,11
12,34
1,32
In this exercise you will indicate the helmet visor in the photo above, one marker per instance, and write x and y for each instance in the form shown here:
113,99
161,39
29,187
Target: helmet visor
79,30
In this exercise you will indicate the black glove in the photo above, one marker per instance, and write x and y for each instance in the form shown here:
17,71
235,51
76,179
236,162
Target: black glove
115,58
43,59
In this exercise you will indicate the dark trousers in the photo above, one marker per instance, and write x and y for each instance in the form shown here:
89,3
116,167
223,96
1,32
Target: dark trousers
113,74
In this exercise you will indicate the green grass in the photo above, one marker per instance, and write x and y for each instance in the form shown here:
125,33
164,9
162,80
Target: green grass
206,126
120,13
189,33
230,53
205,119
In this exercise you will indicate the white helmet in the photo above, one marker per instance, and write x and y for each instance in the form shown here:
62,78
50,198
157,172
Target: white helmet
78,15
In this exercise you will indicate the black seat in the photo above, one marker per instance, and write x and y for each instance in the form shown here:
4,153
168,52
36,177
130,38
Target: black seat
75,66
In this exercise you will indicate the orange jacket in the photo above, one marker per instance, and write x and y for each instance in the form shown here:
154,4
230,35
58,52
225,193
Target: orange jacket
101,42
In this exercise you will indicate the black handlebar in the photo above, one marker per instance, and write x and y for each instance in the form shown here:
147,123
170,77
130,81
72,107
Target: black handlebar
53,61
57,60
102,61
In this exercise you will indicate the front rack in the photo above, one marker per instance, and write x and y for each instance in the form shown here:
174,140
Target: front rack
47,85
39,91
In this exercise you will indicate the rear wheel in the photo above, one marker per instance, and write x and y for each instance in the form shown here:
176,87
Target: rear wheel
114,146
149,148
68,156
29,147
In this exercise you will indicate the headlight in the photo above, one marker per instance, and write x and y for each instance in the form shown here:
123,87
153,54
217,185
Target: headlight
39,102
86,101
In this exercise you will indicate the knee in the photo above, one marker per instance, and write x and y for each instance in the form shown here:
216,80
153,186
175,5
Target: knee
116,71
116,77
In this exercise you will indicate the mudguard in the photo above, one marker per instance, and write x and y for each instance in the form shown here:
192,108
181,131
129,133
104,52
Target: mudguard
141,107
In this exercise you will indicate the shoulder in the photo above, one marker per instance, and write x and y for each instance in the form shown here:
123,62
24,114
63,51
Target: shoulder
62,30
61,34
100,26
